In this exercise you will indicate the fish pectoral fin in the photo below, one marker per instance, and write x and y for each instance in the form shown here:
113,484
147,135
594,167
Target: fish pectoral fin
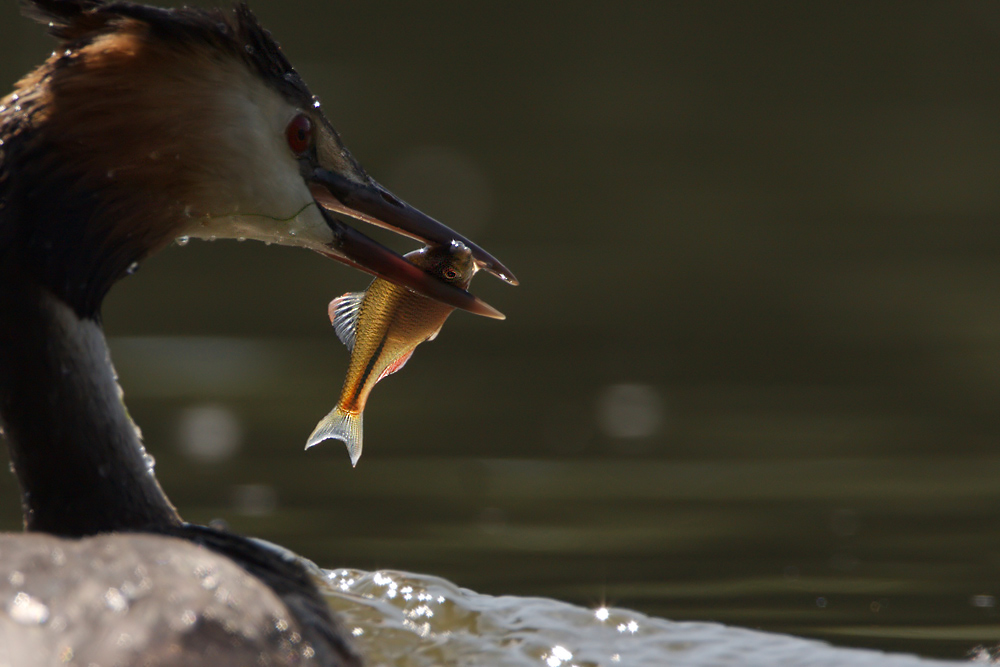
344,315
396,365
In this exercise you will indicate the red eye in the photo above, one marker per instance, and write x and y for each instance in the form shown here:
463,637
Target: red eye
299,134
450,274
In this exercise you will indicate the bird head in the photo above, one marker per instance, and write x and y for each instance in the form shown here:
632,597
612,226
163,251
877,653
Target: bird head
147,125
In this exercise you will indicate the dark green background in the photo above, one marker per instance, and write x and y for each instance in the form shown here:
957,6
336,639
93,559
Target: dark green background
778,218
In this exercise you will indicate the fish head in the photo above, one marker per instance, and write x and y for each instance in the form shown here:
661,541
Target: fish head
454,262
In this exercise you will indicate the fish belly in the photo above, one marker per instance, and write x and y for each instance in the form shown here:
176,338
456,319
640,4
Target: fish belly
392,322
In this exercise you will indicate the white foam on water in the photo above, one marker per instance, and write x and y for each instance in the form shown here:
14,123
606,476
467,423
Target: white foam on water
400,619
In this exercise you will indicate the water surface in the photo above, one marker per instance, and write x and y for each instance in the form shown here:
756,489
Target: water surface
752,374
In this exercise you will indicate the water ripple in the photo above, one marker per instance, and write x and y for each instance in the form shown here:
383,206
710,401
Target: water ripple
410,620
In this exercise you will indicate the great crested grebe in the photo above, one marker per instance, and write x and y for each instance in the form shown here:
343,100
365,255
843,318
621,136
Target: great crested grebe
144,126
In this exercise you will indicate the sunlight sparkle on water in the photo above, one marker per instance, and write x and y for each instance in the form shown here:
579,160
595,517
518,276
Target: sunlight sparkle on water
380,579
399,618
422,610
631,627
558,656
27,610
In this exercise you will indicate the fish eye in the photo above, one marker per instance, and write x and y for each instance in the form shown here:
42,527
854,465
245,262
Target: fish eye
299,134
450,273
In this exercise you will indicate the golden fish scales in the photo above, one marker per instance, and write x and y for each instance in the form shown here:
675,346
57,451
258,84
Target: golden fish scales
382,326
395,320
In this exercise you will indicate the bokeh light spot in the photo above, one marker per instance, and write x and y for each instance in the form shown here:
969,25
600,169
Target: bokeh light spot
209,433
255,499
630,411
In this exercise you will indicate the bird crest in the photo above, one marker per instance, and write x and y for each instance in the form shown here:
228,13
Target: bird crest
78,22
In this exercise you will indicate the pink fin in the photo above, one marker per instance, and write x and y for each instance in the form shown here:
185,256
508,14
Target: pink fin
396,365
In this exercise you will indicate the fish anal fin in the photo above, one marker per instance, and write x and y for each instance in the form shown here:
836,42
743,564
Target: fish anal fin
344,315
396,365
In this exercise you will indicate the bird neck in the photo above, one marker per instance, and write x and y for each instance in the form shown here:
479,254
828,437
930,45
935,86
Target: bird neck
68,232
75,450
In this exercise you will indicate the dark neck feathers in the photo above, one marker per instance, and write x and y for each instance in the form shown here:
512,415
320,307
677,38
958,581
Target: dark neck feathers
76,453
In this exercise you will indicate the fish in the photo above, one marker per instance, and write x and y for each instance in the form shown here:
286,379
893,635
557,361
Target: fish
381,327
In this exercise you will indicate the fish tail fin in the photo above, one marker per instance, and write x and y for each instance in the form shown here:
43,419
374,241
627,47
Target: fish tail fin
340,425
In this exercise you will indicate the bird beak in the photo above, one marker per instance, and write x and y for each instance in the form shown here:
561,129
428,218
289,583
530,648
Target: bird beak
370,202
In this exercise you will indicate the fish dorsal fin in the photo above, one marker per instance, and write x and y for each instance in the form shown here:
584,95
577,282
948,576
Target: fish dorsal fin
344,315
396,365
